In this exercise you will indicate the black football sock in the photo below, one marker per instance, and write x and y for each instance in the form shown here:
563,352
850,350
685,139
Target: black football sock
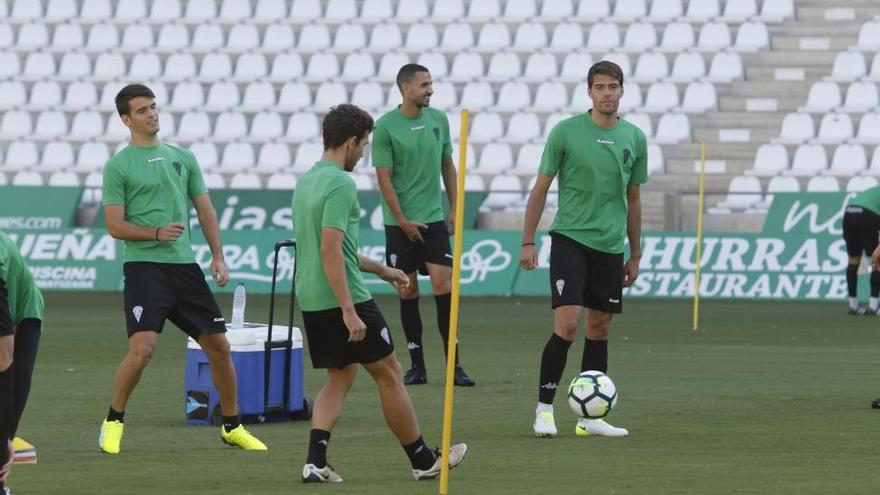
420,456
552,365
852,280
114,415
412,329
231,422
318,442
444,305
875,283
595,355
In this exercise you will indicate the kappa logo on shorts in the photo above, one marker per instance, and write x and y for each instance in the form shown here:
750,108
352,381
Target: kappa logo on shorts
219,320
560,284
393,259
613,301
137,311
385,335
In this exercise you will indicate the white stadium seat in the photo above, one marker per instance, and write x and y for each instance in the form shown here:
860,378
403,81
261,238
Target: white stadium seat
322,67
37,66
869,36
456,37
504,191
32,36
770,160
206,153
61,10
823,184
349,37
466,66
673,128
740,10
63,179
435,62
421,37
661,97
550,96
200,10
68,36
137,37
477,96
27,178
592,10
26,10
12,94
214,67
21,155
575,67
629,10
180,66
305,11
166,10
796,128
861,97
665,10
390,63
566,37
102,37
306,155
57,155
651,67
528,159
824,96
92,156
504,66
86,125
444,96
486,127
860,183
50,124
848,66
281,181
236,157
385,37
725,67
702,10
285,67
777,10
495,158
522,128
513,96
339,11
258,96
640,37
194,126
417,10
834,128
493,37
144,66
530,37
520,11
266,126
245,180
222,95
374,11
250,66
848,160
809,160
207,37
687,67
699,97
874,167
642,121
603,36
329,95
313,37
294,96
677,36
357,67
656,162
44,95
752,37
96,10
714,36
235,10
743,192
278,38
869,129
243,37
484,10
74,65
273,157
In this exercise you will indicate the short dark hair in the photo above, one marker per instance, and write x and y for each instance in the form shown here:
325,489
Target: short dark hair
128,93
406,73
607,68
343,122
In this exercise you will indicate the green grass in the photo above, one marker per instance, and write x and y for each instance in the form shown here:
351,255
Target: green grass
766,398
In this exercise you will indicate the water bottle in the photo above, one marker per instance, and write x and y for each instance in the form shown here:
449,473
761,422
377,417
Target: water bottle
239,299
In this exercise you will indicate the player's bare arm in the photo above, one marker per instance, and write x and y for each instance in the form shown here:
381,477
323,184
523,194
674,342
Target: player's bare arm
634,234
389,274
447,171
528,255
410,228
211,230
124,230
334,268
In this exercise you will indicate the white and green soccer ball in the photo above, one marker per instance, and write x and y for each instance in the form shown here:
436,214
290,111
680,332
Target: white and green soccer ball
592,395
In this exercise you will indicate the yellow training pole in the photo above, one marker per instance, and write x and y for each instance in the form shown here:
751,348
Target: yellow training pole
453,308
699,234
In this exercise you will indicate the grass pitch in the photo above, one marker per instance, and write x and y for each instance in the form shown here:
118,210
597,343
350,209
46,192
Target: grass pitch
765,398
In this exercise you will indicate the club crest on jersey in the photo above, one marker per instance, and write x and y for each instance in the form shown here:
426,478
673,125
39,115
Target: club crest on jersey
627,154
176,166
437,133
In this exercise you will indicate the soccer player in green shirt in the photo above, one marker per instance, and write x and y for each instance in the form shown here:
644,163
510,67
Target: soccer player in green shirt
343,325
411,152
147,189
861,225
26,310
600,160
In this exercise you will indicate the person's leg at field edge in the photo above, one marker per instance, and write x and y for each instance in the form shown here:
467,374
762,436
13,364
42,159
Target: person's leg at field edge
441,285
141,345
7,349
326,411
27,341
217,350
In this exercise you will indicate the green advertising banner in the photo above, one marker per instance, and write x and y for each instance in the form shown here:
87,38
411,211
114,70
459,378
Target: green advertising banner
799,255
258,210
38,208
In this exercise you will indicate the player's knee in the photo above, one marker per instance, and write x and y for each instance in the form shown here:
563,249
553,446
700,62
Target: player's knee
441,286
216,348
387,373
141,352
566,326
411,291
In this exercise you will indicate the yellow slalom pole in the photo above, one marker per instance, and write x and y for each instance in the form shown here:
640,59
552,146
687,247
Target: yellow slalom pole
453,309
699,234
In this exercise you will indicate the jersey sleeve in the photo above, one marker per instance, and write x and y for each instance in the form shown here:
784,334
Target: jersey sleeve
554,153
447,139
114,185
195,183
640,167
341,196
383,155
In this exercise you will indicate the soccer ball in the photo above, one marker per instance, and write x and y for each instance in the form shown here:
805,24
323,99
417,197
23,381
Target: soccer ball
592,395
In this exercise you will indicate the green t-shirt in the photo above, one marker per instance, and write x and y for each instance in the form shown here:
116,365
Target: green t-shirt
595,166
25,299
155,184
868,199
325,196
414,148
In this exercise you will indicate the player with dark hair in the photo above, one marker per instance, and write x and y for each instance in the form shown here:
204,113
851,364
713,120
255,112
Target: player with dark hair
343,325
861,226
601,160
147,189
412,150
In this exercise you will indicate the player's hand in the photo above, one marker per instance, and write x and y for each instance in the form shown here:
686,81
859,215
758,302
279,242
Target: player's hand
528,257
631,271
219,272
412,230
357,329
450,223
395,277
171,231
875,258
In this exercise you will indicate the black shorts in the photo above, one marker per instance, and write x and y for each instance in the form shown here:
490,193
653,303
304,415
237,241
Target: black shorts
6,325
178,292
327,336
409,256
860,230
581,276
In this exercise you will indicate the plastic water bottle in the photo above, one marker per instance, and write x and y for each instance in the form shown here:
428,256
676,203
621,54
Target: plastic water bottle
239,300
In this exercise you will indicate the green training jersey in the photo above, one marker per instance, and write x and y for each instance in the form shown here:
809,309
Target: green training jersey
413,147
868,199
594,166
325,196
25,299
155,185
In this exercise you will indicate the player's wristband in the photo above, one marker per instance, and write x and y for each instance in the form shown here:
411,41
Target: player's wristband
157,233
527,244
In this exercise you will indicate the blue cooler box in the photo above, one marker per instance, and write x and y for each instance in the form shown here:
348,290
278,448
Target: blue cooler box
201,400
